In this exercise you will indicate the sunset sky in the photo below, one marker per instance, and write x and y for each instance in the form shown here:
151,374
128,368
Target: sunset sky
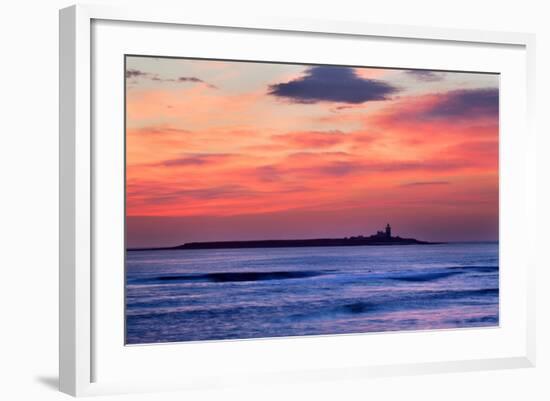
224,150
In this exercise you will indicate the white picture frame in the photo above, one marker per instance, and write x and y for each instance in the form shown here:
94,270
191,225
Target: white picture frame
79,350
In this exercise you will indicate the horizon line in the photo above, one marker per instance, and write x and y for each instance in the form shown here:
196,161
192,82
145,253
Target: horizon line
160,247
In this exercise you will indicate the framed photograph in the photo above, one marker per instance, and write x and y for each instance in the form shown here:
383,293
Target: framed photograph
278,200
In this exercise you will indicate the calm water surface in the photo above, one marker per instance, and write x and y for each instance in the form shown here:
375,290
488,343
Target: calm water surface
190,295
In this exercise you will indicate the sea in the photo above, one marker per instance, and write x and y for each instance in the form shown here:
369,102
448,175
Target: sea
221,294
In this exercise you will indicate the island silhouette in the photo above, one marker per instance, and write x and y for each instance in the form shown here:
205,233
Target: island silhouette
380,238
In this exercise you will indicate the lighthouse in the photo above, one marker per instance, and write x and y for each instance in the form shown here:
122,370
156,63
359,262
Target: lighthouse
388,231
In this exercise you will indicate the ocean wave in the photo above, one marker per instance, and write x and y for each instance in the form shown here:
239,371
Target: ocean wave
479,269
412,301
423,276
490,319
308,310
360,307
228,277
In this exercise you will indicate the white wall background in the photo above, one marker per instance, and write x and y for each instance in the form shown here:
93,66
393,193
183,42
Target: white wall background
29,186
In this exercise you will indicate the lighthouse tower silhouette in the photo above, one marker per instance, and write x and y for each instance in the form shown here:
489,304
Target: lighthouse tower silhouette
388,231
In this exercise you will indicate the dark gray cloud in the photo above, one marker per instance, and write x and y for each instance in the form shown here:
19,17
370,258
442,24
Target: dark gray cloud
197,159
340,168
220,192
189,79
196,80
158,194
332,84
426,75
159,79
132,73
465,103
424,183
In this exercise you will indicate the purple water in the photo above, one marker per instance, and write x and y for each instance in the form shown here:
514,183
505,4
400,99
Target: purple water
191,295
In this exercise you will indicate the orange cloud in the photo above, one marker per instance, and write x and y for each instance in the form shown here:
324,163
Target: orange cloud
313,139
196,151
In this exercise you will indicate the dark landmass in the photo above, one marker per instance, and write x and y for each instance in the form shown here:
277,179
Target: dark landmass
293,243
